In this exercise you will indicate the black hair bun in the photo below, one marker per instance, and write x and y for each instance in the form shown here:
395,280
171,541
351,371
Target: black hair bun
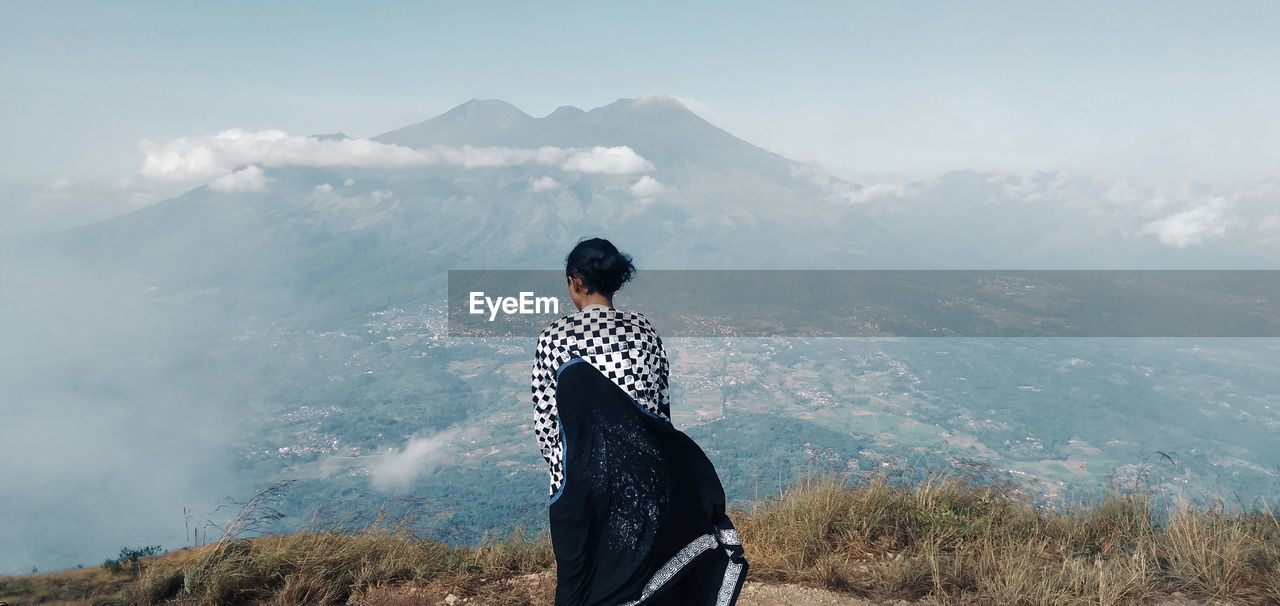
602,267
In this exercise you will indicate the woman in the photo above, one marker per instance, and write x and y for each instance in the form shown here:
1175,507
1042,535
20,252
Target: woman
637,511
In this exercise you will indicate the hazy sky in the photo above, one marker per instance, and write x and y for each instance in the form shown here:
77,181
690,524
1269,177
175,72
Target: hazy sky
1157,90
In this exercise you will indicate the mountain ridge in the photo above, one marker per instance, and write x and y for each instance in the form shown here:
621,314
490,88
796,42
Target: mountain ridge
658,127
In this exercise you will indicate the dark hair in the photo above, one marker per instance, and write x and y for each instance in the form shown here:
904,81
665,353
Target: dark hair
600,264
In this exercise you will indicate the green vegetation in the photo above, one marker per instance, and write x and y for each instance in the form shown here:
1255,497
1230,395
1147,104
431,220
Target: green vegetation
937,542
131,558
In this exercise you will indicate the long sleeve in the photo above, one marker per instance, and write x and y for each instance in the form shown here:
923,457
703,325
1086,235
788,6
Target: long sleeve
545,421
663,385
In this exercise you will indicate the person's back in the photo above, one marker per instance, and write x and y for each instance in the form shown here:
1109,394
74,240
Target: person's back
622,345
637,511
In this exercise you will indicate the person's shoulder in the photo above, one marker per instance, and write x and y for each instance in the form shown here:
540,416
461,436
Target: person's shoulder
626,314
558,326
640,319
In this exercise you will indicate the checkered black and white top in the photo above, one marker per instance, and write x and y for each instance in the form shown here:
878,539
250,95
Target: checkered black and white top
623,345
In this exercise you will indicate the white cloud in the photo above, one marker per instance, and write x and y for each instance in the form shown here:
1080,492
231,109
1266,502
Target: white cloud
647,187
544,183
610,160
188,158
859,194
324,188
866,193
841,190
349,182
212,157
396,469
249,178
1193,226
61,184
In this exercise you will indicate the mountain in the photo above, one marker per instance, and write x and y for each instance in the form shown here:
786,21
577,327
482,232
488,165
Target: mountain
714,201
660,128
710,200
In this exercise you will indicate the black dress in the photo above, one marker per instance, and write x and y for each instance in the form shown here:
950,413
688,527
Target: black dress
640,518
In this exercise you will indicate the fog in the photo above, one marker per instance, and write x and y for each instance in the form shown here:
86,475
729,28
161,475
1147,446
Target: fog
396,469
113,414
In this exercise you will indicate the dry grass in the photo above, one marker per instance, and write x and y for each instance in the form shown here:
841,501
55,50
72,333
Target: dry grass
307,568
337,568
77,586
941,542
945,542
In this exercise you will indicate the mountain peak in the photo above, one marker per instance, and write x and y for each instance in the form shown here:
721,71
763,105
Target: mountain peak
657,100
486,109
651,102
476,122
566,111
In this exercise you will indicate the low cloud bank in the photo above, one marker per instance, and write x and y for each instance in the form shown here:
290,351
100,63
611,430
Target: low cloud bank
1177,215
398,468
217,159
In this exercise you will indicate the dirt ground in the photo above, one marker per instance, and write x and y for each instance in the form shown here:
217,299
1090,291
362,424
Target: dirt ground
541,589
757,594
541,592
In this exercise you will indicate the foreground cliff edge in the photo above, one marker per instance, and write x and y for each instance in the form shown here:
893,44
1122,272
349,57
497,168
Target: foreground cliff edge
824,542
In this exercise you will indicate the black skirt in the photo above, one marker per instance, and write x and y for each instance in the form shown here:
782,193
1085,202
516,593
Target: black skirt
640,518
